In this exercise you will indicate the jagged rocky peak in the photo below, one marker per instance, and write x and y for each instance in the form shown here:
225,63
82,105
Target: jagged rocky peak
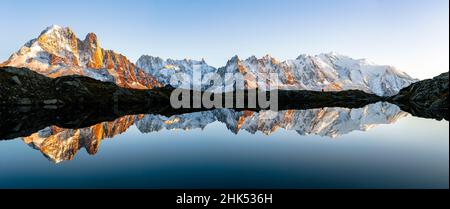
58,40
234,59
56,33
268,58
53,28
152,63
57,52
93,53
233,65
91,38
148,59
252,58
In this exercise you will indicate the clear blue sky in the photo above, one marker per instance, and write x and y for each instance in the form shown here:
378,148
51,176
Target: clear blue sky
412,35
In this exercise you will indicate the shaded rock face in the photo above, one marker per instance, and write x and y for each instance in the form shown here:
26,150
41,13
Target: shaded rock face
21,86
427,98
18,85
58,52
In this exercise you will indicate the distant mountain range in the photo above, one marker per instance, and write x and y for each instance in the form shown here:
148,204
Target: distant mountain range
57,52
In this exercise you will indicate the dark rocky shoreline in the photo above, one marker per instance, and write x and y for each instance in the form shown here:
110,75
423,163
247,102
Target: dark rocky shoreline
30,102
21,86
427,98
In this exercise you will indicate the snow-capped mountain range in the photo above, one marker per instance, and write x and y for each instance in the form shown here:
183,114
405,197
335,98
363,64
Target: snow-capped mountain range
328,72
62,144
57,52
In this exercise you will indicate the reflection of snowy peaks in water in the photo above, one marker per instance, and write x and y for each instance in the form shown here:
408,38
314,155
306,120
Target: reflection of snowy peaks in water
62,144
331,122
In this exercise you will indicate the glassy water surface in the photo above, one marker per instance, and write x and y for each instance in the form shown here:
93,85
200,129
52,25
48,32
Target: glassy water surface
378,146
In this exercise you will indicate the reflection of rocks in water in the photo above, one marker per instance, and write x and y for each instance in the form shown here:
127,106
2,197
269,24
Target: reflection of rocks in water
62,144
153,123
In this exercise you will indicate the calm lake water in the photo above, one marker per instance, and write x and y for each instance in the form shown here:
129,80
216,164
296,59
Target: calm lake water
377,146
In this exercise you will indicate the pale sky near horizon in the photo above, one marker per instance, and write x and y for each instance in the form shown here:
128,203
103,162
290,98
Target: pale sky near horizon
412,35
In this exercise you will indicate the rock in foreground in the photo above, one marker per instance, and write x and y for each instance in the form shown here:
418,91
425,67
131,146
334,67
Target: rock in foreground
21,86
427,98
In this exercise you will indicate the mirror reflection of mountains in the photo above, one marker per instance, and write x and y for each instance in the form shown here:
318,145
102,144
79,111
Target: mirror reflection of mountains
59,144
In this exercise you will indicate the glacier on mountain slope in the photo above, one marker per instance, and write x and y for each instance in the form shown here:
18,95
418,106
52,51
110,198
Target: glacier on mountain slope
163,70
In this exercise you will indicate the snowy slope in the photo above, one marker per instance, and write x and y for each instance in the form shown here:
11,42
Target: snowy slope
164,69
